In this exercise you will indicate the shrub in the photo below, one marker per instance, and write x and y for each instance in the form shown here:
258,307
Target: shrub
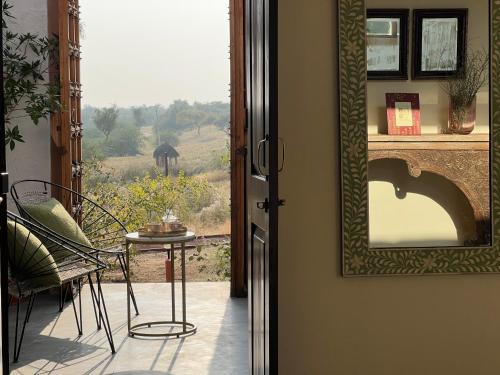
125,140
215,214
137,202
223,266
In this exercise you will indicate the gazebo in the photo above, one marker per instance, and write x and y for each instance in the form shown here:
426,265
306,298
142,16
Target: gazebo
164,154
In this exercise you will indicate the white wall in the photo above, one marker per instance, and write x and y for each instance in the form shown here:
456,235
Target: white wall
329,325
32,158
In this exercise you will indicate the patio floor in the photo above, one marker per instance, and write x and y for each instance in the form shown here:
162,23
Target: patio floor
52,346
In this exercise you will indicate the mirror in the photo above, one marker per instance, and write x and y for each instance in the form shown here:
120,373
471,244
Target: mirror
429,174
418,187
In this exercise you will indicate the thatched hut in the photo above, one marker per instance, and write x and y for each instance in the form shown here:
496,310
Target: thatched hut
165,153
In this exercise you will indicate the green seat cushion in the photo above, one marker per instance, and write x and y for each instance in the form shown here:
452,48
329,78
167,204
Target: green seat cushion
52,214
30,261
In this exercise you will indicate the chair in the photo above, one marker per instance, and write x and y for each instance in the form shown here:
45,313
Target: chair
104,233
33,268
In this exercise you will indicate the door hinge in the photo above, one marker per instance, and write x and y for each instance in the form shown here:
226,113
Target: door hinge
4,188
281,202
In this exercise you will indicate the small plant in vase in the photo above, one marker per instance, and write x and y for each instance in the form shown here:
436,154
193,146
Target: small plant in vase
462,91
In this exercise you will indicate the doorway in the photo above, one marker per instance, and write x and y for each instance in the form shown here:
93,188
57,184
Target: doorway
235,128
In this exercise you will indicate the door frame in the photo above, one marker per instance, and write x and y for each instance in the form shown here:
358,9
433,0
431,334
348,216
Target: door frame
63,145
238,149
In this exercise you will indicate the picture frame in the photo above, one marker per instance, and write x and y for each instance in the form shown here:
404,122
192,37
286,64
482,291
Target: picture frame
403,113
387,44
439,42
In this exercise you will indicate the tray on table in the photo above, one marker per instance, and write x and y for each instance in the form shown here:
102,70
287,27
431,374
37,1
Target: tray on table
143,232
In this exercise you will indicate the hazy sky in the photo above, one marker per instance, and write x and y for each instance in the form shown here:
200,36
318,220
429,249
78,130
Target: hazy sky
154,51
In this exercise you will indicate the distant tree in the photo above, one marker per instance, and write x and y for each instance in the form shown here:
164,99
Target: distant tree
169,137
181,116
139,116
125,140
105,119
169,119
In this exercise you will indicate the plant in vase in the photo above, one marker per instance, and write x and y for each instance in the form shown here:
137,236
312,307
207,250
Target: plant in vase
462,91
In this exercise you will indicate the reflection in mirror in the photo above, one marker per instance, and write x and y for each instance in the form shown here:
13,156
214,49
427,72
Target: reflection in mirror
428,137
386,43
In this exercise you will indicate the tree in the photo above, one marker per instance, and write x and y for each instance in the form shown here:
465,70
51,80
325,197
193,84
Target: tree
105,119
139,116
125,140
27,93
169,118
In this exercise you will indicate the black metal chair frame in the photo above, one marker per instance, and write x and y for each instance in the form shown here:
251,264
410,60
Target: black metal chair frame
106,222
75,266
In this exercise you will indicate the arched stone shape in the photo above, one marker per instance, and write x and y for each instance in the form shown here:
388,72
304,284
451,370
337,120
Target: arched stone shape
467,168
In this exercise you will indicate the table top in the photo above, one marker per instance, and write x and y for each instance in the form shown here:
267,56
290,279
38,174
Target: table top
135,238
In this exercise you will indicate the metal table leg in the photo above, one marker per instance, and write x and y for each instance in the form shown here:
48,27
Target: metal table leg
183,268
127,266
187,328
172,283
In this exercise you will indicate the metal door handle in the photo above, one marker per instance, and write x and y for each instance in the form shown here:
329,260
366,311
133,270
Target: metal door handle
259,146
280,169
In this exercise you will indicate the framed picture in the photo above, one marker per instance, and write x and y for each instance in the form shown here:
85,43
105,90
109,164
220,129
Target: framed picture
403,114
439,42
387,44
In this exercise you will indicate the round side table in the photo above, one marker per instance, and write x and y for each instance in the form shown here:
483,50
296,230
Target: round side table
182,327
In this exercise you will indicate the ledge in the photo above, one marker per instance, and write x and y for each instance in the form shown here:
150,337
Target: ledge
478,142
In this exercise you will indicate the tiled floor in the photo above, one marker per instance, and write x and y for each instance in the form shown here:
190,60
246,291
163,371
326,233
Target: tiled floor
52,346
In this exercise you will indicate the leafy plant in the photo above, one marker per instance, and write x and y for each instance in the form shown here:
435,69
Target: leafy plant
133,203
223,266
105,119
125,140
27,93
463,89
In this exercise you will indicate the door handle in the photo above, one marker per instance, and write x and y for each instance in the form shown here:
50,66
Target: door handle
280,169
259,147
283,151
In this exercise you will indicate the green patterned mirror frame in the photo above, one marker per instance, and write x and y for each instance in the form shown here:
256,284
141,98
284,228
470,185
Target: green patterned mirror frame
358,258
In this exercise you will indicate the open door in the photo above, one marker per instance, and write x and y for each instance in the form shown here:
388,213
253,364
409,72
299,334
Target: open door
262,184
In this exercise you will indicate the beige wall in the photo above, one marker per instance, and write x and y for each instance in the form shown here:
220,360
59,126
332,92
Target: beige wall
32,158
433,100
447,325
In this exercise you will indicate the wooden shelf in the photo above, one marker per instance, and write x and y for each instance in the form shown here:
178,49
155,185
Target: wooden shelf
478,142
429,138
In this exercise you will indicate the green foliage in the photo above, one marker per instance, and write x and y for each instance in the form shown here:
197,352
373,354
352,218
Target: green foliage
136,203
223,266
93,149
139,116
27,94
105,119
125,140
182,116
169,137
